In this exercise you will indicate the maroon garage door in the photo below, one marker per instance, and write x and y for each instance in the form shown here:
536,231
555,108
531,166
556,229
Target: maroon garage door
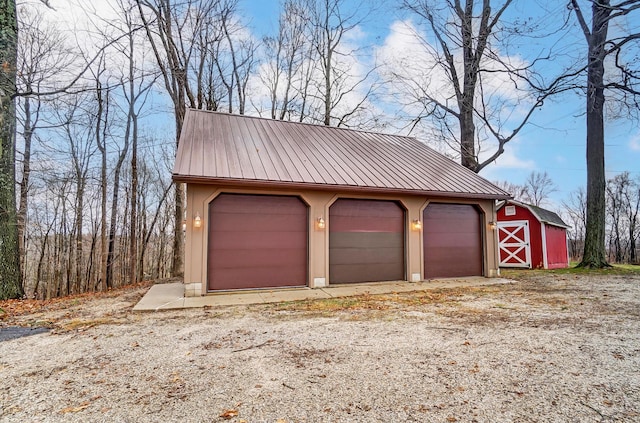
366,241
257,241
452,241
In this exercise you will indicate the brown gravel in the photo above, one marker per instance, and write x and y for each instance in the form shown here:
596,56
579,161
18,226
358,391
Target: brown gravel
552,347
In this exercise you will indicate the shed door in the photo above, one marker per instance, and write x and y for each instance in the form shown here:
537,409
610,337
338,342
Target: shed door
257,241
452,241
514,246
366,241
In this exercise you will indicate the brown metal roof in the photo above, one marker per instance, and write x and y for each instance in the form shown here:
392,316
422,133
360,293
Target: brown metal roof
225,149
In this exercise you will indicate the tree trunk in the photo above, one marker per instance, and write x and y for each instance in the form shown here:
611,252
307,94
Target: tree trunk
10,280
24,188
100,138
133,248
594,245
467,138
177,262
79,253
466,97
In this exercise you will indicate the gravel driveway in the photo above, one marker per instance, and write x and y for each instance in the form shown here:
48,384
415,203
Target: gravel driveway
550,348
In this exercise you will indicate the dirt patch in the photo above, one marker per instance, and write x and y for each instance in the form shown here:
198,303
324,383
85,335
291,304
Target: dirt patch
550,347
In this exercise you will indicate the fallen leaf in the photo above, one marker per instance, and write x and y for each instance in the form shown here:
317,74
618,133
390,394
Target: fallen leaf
281,421
451,419
228,414
74,409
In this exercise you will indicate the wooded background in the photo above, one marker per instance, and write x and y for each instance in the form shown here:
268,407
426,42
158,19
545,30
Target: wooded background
99,111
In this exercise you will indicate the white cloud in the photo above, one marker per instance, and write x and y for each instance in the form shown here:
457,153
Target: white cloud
634,143
411,62
510,161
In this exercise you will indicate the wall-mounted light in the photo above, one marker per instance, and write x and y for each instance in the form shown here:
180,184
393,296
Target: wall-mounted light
197,221
493,226
320,223
184,225
416,225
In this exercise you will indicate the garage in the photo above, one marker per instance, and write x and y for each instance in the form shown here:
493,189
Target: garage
452,241
366,241
272,203
257,241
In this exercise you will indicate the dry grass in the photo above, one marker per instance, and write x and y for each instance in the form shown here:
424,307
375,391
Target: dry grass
83,324
381,302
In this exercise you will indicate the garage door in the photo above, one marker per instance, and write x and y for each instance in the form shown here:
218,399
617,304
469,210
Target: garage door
452,241
366,241
257,241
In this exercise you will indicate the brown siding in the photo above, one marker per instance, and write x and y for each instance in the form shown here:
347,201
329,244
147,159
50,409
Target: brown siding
366,241
452,241
257,241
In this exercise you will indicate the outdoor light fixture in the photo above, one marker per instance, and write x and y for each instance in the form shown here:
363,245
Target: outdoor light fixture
197,222
320,223
493,226
184,225
416,225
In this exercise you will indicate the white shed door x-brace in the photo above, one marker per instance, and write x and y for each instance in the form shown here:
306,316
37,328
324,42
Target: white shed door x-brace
515,250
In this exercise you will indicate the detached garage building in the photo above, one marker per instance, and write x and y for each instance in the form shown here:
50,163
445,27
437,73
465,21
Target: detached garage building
283,204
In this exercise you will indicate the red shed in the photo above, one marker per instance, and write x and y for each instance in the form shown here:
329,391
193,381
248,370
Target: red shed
531,237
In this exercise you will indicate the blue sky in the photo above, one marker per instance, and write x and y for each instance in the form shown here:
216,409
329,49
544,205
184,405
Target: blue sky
554,141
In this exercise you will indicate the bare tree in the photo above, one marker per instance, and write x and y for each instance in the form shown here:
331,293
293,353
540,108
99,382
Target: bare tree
241,54
466,48
154,201
610,66
10,279
287,52
538,187
516,190
632,198
623,203
41,56
535,190
330,22
136,85
576,209
616,187
171,28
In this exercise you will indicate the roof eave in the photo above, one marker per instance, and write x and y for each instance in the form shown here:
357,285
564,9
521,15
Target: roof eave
329,187
546,222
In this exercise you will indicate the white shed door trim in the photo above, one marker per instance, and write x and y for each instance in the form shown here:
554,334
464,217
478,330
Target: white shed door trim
512,246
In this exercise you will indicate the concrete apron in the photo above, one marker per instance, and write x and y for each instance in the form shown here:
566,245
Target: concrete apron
171,296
